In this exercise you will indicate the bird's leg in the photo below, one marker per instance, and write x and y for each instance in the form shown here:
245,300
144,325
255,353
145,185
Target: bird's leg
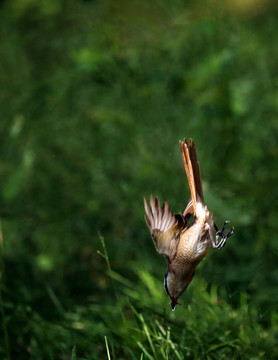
220,233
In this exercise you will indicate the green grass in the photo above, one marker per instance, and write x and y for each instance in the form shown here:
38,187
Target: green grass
132,320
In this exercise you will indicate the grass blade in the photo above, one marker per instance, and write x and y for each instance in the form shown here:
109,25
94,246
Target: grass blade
107,348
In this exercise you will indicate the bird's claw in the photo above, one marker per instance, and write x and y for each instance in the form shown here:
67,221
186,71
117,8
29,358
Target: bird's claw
221,233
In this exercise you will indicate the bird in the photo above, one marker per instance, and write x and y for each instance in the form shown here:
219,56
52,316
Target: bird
184,239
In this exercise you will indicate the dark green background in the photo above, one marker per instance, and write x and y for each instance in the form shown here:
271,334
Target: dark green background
94,98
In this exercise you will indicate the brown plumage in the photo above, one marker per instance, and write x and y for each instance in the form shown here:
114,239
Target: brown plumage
183,245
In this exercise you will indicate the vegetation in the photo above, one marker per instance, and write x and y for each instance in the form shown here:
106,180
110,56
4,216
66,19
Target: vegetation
94,98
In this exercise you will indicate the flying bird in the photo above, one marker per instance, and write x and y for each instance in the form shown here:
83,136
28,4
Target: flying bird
184,243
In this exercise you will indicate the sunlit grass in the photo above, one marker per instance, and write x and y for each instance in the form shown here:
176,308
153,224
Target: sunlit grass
133,320
205,326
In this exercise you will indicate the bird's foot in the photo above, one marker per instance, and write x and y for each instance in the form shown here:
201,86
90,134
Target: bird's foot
220,233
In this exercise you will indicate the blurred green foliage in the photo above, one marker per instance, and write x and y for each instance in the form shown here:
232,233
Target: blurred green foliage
94,98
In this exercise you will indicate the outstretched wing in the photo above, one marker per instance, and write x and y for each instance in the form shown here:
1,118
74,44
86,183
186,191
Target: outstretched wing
165,227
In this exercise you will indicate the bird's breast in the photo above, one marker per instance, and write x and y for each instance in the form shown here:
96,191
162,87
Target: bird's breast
194,244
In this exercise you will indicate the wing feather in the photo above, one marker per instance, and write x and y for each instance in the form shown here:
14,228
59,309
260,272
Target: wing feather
165,227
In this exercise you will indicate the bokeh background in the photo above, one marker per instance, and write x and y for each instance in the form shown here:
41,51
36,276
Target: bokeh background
94,98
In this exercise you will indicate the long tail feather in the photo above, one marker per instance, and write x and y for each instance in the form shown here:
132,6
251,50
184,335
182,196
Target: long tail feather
189,172
196,169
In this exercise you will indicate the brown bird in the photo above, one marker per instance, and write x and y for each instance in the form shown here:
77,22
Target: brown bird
184,245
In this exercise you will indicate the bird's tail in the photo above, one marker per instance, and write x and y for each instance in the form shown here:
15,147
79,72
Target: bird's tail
193,173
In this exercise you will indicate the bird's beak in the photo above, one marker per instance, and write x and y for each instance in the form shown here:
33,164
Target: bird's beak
173,303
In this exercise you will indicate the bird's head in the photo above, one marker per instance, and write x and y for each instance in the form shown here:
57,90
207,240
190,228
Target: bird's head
175,286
